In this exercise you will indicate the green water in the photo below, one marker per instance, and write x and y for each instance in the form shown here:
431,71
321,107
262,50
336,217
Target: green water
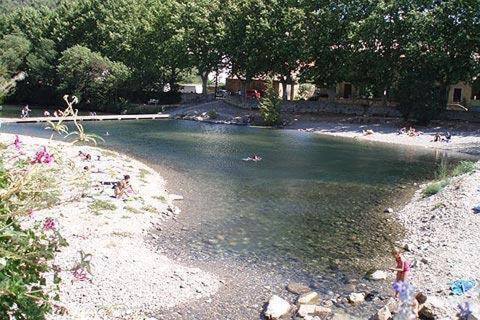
312,204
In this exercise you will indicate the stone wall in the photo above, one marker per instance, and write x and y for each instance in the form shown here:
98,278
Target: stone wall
350,108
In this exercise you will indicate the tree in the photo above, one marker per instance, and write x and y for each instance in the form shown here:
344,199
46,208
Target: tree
204,34
329,53
94,79
246,45
288,38
270,106
12,57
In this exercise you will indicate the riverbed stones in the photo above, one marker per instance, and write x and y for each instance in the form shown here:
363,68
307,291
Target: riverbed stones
297,288
356,298
383,314
313,310
277,308
307,297
377,275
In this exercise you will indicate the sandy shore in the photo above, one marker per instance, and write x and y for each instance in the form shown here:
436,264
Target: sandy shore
129,279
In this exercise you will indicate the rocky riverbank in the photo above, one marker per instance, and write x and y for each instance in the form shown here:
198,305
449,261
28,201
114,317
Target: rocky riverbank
442,243
109,269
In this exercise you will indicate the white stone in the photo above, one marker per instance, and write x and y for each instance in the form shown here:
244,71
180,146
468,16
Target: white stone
383,314
277,307
307,297
378,275
306,309
356,298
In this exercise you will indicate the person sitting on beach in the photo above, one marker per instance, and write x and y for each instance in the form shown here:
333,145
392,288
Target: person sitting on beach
402,268
85,156
368,132
46,113
437,137
402,131
122,187
448,137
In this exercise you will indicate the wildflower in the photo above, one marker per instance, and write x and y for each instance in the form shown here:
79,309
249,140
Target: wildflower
49,224
42,156
80,274
17,143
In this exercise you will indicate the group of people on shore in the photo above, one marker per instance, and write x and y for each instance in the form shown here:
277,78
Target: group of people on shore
411,132
120,188
446,137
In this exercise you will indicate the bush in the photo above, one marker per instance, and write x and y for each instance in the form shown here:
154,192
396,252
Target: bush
25,253
94,79
434,188
419,96
270,105
463,167
212,114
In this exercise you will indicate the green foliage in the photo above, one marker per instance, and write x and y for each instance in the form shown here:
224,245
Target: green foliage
212,114
24,253
102,205
463,167
419,96
270,106
91,77
434,188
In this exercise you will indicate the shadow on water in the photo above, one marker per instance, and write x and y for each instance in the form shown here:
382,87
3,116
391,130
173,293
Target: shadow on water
312,204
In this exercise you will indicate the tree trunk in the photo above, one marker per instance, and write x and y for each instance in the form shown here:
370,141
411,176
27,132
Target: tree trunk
204,76
284,89
173,82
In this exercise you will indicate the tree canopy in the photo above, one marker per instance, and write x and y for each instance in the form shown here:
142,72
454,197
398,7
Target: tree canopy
371,44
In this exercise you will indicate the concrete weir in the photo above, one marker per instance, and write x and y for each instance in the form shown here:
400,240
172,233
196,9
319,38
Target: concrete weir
87,118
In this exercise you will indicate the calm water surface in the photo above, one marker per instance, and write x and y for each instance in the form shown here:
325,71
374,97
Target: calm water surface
313,203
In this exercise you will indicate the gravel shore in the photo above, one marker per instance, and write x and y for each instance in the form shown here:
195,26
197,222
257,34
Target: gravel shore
443,242
129,279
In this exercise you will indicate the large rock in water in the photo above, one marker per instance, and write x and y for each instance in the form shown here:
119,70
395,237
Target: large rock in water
307,297
277,307
298,288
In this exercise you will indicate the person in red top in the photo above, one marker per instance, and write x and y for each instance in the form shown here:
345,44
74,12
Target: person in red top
402,268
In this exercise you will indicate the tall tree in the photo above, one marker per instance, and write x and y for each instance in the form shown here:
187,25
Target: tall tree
204,35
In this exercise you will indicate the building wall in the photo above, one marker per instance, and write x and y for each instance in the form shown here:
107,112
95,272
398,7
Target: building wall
466,93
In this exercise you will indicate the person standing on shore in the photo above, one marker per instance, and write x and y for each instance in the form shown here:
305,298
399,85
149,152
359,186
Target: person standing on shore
402,268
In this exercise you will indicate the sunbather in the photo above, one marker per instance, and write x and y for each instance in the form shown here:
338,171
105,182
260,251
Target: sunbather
122,186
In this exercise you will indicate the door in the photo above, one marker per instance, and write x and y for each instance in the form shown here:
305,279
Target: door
347,91
457,95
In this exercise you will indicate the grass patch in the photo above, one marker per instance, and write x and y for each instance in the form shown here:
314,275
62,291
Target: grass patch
463,167
143,173
107,153
160,198
133,210
3,146
101,205
434,188
149,208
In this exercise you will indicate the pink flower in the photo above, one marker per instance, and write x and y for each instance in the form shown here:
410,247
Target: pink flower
17,143
49,224
80,274
42,156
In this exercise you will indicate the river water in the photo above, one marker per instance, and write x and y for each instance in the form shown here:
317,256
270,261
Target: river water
312,204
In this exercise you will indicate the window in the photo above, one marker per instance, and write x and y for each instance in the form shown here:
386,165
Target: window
457,95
